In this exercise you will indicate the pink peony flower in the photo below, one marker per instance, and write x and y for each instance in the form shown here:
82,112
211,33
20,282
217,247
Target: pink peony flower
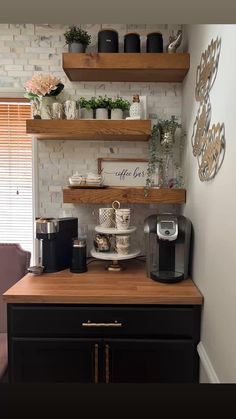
42,84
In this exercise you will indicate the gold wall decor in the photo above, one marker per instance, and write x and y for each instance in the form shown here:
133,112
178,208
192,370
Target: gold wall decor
207,70
208,143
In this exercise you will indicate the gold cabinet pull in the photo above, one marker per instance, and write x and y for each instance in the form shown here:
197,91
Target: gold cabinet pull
96,363
112,324
107,364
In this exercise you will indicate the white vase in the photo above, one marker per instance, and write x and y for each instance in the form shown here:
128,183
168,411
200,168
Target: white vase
86,113
46,107
116,114
135,110
101,113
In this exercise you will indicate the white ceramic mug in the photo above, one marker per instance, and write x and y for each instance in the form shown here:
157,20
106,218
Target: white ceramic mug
106,217
122,249
122,240
123,218
70,109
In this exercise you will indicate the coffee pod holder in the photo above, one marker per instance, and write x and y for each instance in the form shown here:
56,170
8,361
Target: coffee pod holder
115,257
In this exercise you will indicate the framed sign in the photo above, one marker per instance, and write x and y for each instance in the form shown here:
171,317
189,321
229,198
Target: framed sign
123,172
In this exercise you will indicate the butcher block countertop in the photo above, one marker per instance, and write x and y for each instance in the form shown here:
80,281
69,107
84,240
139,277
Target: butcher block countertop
99,286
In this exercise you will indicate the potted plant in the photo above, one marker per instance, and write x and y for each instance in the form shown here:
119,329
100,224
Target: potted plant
42,90
118,106
161,158
167,128
77,39
102,104
86,107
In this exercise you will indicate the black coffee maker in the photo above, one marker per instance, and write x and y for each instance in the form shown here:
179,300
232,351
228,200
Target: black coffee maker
167,240
55,236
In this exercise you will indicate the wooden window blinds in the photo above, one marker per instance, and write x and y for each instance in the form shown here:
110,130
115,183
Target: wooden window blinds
16,222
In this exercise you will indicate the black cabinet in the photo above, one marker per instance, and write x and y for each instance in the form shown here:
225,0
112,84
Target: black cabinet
111,344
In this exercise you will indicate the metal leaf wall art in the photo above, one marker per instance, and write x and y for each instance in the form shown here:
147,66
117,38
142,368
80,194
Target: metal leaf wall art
208,143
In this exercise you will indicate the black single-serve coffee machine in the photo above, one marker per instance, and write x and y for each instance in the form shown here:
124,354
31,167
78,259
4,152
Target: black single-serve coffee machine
55,236
167,241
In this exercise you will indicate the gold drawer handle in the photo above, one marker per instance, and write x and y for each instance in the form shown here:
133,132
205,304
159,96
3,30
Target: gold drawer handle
90,324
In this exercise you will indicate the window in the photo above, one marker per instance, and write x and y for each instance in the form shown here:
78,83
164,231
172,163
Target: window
16,214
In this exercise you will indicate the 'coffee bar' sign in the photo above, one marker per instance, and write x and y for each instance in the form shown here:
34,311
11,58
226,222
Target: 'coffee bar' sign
123,172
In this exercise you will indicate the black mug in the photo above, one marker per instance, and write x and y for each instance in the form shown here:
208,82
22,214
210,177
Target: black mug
154,42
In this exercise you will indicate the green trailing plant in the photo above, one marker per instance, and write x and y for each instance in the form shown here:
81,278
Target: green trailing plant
152,152
169,124
120,103
76,34
153,159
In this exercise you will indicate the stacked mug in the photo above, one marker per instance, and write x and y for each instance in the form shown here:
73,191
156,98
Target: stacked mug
122,223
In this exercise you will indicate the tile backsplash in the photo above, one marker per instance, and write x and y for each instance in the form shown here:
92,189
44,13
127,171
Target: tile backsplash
29,48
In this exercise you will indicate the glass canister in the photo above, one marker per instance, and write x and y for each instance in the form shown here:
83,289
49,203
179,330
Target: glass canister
79,256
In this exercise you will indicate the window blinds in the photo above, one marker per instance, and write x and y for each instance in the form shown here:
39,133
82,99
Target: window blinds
16,224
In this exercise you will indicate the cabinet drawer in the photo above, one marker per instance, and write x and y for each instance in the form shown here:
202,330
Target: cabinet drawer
78,320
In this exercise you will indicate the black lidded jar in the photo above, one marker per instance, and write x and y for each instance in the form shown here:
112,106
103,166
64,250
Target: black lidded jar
132,42
108,40
154,42
79,256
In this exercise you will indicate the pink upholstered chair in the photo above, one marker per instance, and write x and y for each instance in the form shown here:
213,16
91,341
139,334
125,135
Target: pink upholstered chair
14,262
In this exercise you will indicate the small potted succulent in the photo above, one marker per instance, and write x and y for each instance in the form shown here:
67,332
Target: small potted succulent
86,108
118,106
77,39
102,104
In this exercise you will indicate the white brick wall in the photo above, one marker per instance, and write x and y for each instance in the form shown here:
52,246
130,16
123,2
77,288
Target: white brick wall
29,48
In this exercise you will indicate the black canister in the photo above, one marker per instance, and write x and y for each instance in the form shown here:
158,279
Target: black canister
132,42
108,41
154,42
79,257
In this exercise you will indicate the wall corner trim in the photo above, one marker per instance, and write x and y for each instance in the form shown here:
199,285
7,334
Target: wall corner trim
207,365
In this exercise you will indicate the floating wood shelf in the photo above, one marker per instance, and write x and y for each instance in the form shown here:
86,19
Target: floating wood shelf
90,129
124,195
135,67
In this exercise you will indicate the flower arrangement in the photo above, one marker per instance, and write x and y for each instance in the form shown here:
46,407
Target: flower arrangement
76,34
120,103
43,85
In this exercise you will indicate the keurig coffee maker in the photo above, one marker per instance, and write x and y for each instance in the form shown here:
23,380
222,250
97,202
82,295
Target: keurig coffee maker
167,241
55,236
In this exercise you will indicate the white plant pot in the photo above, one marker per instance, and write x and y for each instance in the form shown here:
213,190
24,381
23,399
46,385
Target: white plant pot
101,113
86,113
116,114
